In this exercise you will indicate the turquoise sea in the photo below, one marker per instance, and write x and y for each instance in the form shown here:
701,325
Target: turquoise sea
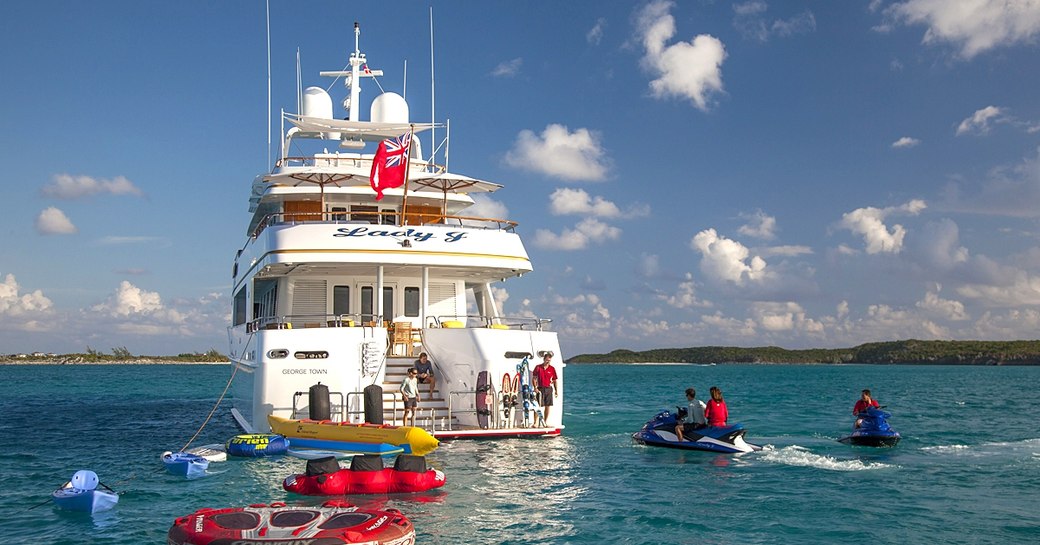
967,470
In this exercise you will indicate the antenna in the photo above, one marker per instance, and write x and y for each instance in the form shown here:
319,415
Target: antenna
433,101
268,83
404,90
299,83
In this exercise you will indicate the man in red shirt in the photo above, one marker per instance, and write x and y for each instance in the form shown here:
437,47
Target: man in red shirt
865,402
545,381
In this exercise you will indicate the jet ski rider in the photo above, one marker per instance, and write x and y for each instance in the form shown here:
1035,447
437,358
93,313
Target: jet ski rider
694,414
865,402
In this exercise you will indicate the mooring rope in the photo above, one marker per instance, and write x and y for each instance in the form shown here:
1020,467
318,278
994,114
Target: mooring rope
215,405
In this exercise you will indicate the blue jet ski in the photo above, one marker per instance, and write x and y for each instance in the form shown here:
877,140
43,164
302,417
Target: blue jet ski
873,430
660,432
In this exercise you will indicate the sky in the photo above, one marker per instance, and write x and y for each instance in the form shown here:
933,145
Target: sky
749,173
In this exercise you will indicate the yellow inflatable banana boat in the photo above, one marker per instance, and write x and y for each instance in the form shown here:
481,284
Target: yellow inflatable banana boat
417,440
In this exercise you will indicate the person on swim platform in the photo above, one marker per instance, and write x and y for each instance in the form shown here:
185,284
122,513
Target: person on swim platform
716,412
410,393
865,402
424,368
545,381
694,415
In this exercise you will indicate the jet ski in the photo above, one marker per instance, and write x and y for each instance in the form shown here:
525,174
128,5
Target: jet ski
873,430
659,431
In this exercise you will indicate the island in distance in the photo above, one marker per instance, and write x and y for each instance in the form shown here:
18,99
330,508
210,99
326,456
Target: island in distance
910,351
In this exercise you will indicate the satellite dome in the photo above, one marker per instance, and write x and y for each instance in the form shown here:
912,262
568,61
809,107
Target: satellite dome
389,108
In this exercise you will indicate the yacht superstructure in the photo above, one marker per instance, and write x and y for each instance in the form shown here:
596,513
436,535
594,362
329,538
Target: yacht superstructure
333,286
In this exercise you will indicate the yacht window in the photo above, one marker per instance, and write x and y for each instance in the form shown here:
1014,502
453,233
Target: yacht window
240,307
388,305
389,217
411,302
368,214
339,213
340,300
367,304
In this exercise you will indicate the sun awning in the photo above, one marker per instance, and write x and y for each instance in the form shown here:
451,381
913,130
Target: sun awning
455,183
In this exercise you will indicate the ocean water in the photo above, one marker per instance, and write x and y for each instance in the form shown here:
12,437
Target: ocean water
966,471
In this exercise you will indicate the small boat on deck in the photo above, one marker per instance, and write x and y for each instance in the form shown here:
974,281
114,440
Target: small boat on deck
332,523
317,434
81,494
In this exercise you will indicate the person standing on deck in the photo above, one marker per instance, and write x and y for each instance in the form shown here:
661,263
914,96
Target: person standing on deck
410,393
545,380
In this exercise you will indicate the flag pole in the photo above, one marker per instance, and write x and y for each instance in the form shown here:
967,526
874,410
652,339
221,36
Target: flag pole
407,167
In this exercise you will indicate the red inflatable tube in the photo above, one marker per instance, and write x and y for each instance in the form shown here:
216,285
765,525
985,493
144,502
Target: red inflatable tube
408,475
335,522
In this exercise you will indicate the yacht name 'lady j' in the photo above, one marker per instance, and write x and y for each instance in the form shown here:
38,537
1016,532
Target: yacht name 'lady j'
345,277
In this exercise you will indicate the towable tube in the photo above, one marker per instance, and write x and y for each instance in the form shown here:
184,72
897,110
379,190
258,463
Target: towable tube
255,445
413,440
365,476
334,522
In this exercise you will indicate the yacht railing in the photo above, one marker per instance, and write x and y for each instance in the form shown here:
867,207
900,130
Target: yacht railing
290,321
492,322
381,218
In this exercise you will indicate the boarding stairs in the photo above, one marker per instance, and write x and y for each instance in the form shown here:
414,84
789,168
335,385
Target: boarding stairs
433,410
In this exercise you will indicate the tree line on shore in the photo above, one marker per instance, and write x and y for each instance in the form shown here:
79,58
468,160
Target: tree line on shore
120,354
908,351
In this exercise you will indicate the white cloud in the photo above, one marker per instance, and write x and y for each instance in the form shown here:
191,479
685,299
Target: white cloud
973,26
979,122
940,308
65,186
759,225
565,201
560,153
649,265
508,69
14,304
117,240
685,295
905,142
783,316
129,299
749,20
53,221
691,70
595,34
485,207
727,260
588,231
869,223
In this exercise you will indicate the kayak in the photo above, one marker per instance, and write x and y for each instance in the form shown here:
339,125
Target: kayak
81,494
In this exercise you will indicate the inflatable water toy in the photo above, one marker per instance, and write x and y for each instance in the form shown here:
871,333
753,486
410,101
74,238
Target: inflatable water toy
185,464
81,494
659,431
412,439
255,445
348,447
334,522
366,475
213,453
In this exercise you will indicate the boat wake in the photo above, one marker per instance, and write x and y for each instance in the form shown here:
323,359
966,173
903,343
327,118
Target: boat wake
802,457
987,450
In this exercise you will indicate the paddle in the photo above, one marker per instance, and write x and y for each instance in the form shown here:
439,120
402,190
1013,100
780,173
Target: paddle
48,500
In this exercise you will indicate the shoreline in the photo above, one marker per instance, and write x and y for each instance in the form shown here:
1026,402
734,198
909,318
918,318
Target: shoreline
143,361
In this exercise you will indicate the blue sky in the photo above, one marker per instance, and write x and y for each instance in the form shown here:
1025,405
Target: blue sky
692,173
